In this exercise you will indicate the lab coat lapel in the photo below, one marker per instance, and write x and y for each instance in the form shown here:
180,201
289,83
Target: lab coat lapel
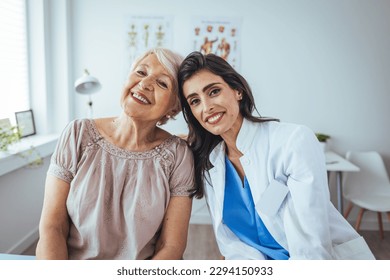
255,155
217,177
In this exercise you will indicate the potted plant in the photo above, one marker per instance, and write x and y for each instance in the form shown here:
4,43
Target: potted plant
8,136
322,138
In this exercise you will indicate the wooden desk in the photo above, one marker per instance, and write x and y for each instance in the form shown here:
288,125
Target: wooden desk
338,164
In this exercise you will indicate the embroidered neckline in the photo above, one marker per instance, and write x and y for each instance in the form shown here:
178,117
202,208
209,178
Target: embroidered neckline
98,139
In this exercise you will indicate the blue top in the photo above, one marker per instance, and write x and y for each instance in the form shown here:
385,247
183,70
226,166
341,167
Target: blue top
240,215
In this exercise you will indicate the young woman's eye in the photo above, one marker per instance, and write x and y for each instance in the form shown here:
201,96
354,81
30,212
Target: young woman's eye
193,101
214,91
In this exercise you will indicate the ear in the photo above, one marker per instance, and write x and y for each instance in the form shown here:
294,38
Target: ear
238,94
173,112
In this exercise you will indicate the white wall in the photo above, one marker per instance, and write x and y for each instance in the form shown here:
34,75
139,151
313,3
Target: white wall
21,198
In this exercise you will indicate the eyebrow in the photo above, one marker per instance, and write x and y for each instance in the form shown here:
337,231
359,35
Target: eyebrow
147,66
203,90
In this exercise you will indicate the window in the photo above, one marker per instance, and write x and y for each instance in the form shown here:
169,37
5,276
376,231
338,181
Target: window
14,78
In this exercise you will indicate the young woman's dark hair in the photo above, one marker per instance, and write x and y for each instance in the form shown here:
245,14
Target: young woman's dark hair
200,140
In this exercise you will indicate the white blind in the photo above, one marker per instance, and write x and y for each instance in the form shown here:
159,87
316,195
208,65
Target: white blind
14,83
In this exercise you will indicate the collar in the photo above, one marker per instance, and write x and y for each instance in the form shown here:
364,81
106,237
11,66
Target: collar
245,138
217,153
246,135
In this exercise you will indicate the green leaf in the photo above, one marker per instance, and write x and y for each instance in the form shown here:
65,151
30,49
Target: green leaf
322,137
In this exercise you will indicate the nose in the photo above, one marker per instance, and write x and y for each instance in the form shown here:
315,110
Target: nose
146,83
208,105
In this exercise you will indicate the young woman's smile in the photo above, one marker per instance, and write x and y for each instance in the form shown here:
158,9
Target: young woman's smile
214,118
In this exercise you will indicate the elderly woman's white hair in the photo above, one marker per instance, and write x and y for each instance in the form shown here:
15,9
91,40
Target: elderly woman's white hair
171,62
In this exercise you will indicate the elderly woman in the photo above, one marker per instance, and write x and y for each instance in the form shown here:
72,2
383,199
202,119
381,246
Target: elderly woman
121,187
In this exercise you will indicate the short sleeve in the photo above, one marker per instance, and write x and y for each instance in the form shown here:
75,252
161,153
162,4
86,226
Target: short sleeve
63,163
182,176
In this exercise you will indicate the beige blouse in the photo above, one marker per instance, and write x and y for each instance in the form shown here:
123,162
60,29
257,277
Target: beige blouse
117,198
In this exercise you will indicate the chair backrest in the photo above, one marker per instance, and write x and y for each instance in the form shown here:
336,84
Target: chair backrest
372,176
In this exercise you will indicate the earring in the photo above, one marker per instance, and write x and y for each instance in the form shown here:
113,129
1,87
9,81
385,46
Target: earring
168,116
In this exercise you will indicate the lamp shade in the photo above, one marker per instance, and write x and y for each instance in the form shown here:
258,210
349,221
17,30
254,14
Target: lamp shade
87,84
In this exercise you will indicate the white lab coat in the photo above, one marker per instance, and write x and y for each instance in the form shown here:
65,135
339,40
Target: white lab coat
285,168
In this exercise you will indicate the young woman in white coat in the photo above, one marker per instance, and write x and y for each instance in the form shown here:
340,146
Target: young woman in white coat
264,181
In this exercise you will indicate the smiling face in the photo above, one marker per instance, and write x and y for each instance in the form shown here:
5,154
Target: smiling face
213,103
147,95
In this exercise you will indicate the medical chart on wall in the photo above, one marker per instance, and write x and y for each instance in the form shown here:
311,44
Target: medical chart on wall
145,32
220,36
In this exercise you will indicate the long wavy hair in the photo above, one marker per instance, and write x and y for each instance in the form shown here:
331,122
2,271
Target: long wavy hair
201,141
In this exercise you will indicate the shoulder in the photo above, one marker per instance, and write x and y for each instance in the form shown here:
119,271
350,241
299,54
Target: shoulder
286,131
101,124
279,127
78,128
77,124
282,135
269,130
294,141
177,150
179,143
174,141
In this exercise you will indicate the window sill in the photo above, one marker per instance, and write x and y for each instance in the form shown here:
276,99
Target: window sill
13,159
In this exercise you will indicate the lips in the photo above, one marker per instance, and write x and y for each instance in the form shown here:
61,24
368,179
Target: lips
140,98
214,118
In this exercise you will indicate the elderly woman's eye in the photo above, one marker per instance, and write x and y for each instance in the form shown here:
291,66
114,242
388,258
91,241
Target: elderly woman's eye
162,84
140,72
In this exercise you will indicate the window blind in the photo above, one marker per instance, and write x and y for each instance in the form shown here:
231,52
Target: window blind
14,78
